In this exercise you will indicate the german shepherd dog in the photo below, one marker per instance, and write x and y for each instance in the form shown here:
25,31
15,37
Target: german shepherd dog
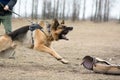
38,37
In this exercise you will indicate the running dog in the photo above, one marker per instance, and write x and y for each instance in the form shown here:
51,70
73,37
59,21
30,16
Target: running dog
38,37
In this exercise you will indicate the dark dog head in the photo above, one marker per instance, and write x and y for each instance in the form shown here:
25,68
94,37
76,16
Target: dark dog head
65,31
60,30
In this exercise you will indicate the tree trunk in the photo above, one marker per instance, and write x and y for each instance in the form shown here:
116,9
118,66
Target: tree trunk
92,13
49,13
26,9
63,14
96,11
108,9
84,9
44,9
57,9
32,8
78,9
74,11
36,9
99,16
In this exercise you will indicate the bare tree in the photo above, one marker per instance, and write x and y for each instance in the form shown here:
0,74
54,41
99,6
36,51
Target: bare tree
34,9
57,9
92,13
63,14
33,4
106,10
76,10
98,11
84,9
44,9
49,11
79,8
102,10
119,18
99,15
54,9
26,8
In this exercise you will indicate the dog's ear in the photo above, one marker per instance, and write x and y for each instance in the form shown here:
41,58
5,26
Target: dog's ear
55,24
63,22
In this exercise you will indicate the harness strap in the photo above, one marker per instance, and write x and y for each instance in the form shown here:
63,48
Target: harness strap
32,38
48,28
34,27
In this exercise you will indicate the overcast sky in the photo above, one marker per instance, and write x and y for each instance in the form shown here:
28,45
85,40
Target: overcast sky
114,12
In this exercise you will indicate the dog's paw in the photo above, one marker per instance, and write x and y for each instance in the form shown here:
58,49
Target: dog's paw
13,45
64,61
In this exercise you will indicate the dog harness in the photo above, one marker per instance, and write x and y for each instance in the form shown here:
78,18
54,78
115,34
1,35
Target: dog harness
37,26
32,28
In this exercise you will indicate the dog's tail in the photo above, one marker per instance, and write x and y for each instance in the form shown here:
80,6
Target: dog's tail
18,32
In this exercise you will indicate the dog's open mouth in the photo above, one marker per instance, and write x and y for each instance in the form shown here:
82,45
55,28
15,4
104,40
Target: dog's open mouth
63,36
65,32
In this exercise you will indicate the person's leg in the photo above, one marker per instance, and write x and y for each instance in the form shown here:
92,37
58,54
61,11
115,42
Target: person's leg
7,23
0,24
0,20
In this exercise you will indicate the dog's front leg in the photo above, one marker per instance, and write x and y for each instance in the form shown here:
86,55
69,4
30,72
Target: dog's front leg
52,52
62,59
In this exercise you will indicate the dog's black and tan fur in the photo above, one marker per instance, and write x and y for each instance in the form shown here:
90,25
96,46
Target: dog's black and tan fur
42,38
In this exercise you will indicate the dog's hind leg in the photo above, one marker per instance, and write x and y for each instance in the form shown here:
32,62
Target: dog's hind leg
12,55
51,52
13,46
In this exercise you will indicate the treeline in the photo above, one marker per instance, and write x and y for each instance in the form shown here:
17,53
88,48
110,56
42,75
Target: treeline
71,9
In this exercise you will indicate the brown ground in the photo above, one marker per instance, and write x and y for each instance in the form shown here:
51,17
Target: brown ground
99,40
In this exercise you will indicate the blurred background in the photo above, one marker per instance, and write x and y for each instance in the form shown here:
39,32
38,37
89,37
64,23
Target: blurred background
93,10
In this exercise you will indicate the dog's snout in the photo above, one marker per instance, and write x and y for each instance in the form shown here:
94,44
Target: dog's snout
70,28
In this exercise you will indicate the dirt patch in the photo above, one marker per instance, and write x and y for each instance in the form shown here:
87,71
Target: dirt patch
100,40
